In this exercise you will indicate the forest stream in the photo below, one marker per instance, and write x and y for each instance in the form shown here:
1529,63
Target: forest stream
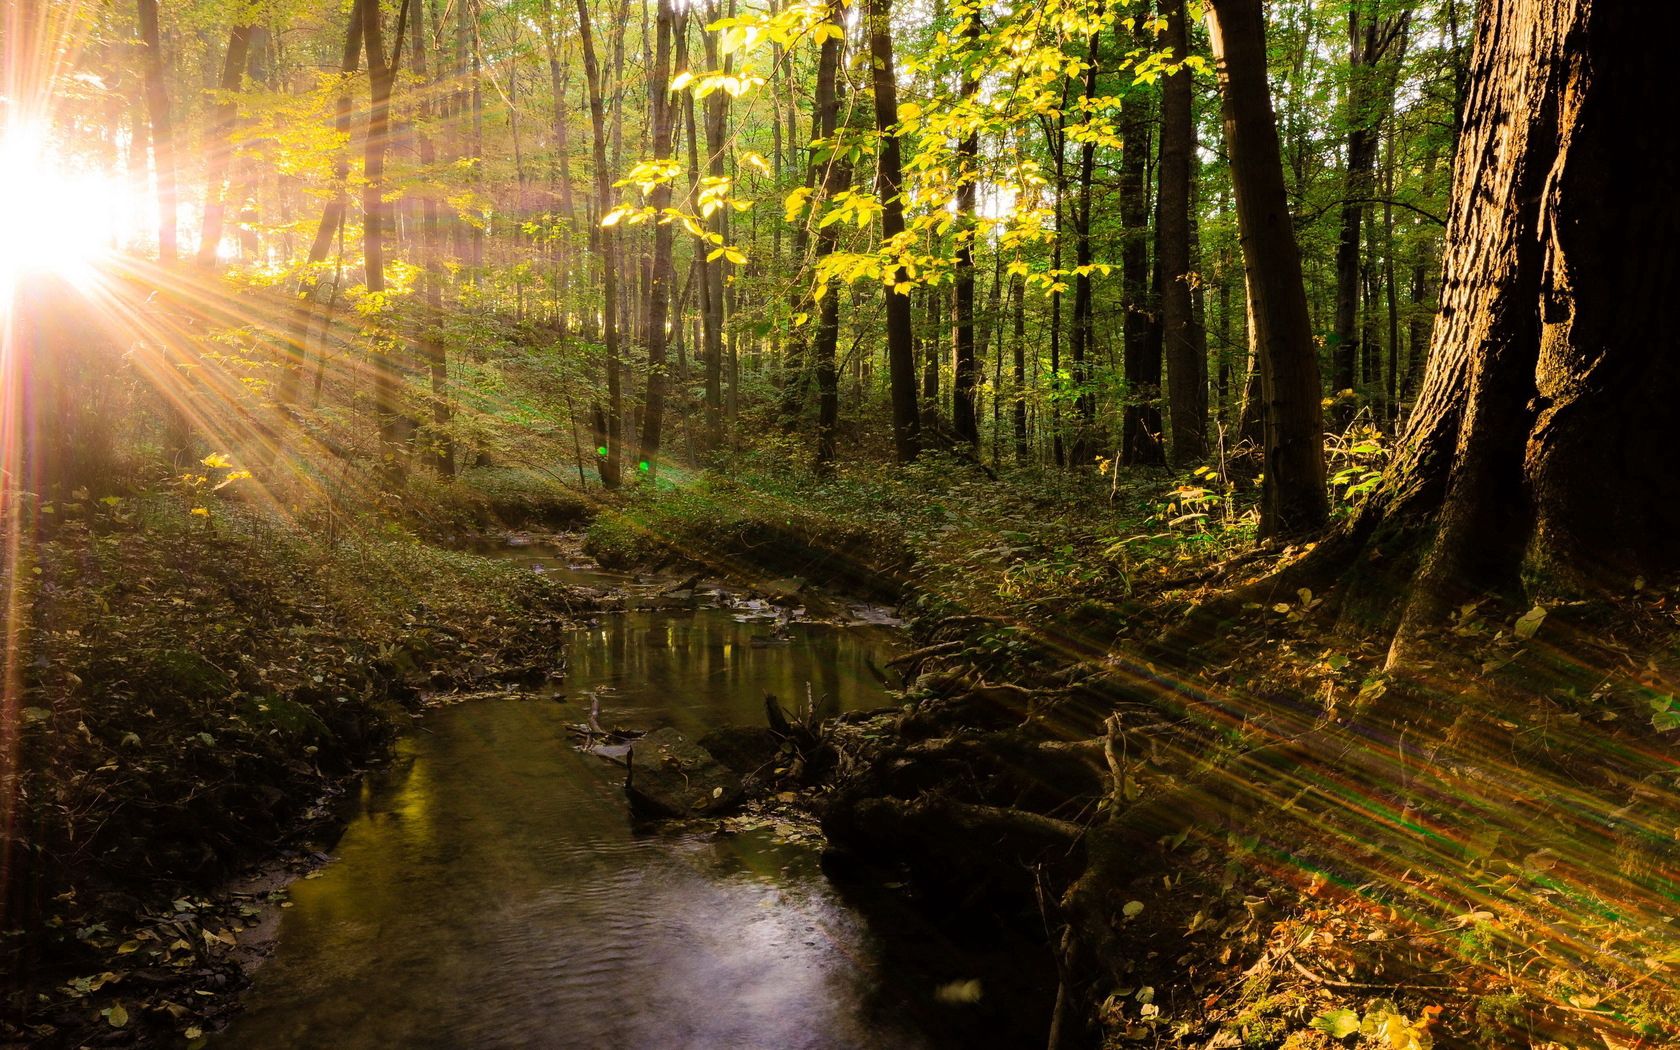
489,889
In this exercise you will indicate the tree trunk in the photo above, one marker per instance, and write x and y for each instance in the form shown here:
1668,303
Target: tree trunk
332,217
220,148
611,428
965,371
837,175
1294,500
442,447
1018,296
712,300
1369,95
163,131
1140,432
889,178
381,76
563,150
1534,437
1184,374
659,282
1083,448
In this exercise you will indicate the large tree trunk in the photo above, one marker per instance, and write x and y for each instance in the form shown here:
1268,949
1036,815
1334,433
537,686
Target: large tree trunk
889,178
1187,403
1294,500
1534,439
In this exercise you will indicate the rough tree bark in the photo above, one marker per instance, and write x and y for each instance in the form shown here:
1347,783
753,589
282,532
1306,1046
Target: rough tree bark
1533,442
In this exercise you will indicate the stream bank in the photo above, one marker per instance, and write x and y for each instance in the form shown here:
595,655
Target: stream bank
469,782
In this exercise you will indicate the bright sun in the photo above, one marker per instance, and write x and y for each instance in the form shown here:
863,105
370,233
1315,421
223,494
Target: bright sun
55,216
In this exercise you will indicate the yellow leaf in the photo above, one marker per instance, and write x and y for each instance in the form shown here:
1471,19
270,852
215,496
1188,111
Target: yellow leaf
681,80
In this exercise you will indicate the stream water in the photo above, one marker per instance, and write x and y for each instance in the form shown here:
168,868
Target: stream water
489,891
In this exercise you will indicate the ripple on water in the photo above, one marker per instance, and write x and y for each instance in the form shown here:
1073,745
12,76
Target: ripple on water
488,892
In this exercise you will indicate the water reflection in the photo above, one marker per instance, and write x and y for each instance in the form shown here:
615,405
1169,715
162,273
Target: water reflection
488,891
702,667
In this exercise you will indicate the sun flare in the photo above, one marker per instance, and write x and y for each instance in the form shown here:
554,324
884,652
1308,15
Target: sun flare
57,216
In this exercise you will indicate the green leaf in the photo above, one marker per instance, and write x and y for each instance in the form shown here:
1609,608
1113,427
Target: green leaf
1337,1024
1529,622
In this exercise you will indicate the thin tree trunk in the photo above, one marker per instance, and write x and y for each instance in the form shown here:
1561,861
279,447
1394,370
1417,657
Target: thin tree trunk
836,177
382,76
1083,450
1140,433
712,299
965,373
1294,498
332,217
1017,293
220,149
163,130
610,428
432,348
1371,39
1186,405
889,178
662,273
